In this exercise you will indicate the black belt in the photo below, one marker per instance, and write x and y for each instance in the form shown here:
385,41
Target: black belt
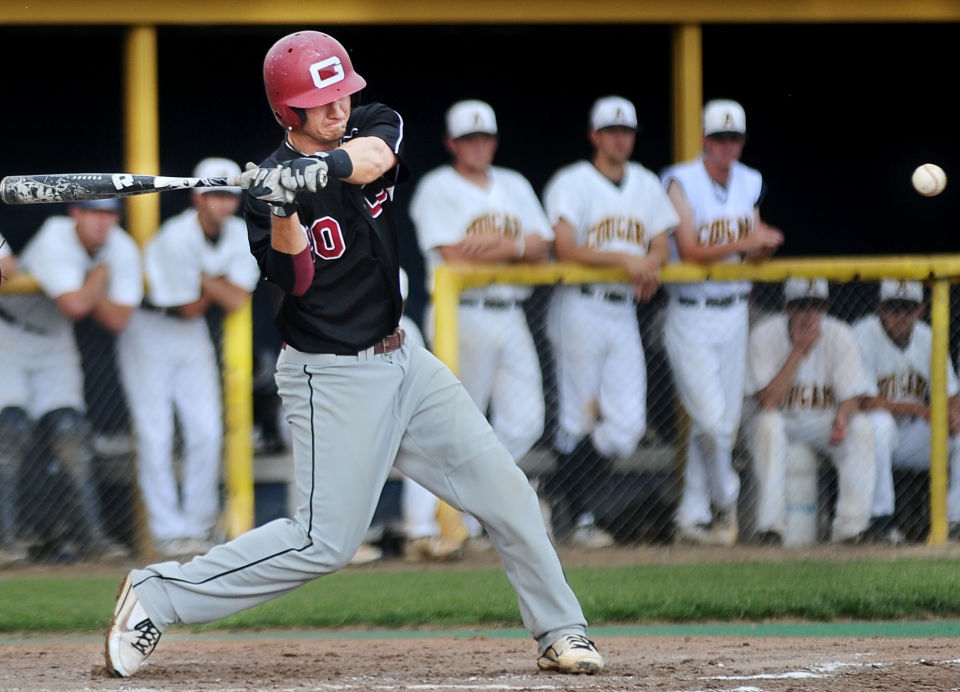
491,303
25,326
169,312
714,302
608,296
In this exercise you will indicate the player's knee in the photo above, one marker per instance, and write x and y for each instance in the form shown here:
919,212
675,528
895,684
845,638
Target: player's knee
884,425
15,429
67,433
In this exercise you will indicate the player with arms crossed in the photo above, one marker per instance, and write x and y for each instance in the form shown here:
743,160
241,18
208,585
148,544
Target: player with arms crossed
606,212
705,332
321,224
473,211
896,347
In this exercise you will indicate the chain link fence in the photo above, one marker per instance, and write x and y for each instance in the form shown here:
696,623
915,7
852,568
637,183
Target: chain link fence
52,467
632,496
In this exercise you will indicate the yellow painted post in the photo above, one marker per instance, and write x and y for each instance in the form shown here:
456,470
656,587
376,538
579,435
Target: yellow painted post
238,407
939,322
446,301
687,91
142,130
141,155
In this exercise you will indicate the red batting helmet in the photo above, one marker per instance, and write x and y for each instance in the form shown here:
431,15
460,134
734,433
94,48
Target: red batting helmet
304,70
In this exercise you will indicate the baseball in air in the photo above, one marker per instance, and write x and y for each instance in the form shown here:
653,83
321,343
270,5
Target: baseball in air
929,179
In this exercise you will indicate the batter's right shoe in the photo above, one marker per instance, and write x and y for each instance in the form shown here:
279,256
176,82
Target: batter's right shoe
132,636
572,653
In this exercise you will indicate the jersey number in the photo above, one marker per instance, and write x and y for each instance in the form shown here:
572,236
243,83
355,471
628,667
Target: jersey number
327,238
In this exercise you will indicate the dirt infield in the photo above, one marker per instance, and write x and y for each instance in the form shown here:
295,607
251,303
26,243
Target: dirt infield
287,660
438,664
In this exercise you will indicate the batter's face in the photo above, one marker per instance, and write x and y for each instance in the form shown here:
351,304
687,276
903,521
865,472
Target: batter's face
614,143
473,153
723,149
93,226
324,128
898,318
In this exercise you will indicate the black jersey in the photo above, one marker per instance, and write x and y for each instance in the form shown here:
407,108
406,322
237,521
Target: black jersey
354,300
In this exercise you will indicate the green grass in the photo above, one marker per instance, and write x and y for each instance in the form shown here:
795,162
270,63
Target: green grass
819,591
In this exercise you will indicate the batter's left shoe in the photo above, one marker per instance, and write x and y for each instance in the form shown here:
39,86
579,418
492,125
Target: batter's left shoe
726,529
132,636
572,653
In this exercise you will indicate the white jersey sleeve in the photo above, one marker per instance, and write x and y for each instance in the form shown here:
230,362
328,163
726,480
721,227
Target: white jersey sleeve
768,349
55,257
122,256
230,256
435,211
174,261
842,359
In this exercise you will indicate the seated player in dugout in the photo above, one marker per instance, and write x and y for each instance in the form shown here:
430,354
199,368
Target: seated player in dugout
87,266
805,371
896,345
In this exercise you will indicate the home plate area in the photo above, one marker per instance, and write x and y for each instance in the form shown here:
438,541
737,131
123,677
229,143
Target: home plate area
272,661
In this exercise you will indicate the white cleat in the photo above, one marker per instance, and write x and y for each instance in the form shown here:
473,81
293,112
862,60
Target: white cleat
572,653
132,636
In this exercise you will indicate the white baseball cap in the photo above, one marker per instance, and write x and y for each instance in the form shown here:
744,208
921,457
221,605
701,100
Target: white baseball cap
613,111
798,289
722,116
470,117
897,289
215,167
404,284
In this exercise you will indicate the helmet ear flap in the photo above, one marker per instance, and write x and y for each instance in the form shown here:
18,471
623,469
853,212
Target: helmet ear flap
301,113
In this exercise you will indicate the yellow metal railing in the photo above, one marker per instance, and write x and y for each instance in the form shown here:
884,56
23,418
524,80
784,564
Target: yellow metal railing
937,270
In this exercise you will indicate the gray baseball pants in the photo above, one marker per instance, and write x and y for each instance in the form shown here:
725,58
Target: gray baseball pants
351,417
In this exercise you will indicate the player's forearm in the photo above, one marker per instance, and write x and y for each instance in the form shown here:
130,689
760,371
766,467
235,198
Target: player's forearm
220,291
112,316
371,158
76,305
775,393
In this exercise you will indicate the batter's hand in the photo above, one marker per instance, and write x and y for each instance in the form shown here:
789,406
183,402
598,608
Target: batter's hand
266,187
303,174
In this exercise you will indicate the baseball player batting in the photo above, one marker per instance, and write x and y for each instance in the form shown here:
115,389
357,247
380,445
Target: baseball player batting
357,396
705,331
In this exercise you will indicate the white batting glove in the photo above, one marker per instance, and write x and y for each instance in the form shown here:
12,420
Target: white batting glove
249,174
266,186
303,174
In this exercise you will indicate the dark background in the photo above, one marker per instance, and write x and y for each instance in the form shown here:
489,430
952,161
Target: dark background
838,115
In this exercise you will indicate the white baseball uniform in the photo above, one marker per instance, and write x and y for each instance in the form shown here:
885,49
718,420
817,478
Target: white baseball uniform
705,335
593,328
41,363
831,372
903,376
168,364
498,359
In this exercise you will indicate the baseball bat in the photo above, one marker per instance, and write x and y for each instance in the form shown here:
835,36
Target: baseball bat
76,187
